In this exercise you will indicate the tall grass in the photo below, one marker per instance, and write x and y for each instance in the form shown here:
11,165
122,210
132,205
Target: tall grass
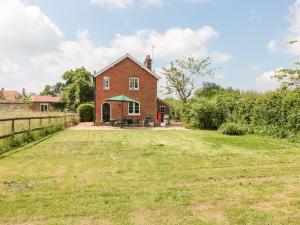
53,125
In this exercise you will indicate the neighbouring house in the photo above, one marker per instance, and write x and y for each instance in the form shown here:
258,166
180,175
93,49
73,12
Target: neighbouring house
10,101
127,76
47,103
9,95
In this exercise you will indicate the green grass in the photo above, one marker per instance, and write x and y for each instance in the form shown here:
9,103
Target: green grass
151,177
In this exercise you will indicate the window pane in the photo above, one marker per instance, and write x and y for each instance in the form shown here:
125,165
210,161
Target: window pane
130,107
130,83
106,82
136,83
137,108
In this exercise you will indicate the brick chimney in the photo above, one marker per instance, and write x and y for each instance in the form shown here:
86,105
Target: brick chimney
148,62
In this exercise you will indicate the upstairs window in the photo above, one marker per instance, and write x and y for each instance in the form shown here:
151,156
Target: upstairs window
134,83
105,83
162,109
133,108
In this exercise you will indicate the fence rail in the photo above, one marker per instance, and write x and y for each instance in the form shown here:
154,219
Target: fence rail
68,120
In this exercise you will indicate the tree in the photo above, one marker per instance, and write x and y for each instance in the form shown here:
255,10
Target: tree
184,76
78,87
290,78
54,90
209,89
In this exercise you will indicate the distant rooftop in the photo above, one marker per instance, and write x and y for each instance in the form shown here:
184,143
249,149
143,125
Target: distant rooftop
46,99
10,95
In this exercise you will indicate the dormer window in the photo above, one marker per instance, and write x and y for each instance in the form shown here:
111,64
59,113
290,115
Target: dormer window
134,83
106,83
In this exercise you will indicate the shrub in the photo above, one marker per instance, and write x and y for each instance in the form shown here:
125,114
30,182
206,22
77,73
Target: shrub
232,129
86,112
202,114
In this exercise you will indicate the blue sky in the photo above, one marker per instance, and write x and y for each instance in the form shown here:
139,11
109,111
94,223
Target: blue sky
246,39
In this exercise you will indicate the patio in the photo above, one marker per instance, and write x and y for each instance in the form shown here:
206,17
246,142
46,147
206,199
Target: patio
90,126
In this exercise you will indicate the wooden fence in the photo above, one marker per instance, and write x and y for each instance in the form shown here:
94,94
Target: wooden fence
51,121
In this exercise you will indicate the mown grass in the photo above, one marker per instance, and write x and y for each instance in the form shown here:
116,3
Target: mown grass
151,177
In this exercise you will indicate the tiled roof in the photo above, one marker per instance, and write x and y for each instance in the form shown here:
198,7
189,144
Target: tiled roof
121,59
10,95
45,99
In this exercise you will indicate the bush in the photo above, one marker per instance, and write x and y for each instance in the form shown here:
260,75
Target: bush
202,114
86,112
232,129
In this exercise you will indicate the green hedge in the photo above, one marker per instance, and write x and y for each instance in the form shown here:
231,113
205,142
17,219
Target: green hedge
275,113
86,112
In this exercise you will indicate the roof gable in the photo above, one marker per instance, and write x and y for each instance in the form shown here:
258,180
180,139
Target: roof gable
121,59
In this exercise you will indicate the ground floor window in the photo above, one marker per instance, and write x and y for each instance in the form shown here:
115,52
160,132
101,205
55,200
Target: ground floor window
133,108
44,107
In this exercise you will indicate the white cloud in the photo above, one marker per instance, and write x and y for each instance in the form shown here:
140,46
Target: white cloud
110,4
293,32
153,2
175,43
122,4
24,29
220,57
272,46
267,82
36,54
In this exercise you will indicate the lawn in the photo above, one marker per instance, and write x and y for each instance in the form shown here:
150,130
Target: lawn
151,177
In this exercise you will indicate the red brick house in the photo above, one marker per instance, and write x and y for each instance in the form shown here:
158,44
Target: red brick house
126,76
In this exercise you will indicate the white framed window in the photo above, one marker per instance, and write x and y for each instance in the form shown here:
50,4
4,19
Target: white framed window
44,107
134,108
162,109
134,83
106,83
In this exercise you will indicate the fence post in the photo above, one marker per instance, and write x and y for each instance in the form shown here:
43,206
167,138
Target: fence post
13,127
65,121
29,124
40,122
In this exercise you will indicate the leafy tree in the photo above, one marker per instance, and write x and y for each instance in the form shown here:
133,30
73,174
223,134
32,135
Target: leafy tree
184,76
78,87
54,90
208,89
290,78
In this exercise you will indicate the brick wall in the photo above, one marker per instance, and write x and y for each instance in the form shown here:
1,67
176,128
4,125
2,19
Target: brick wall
119,85
36,106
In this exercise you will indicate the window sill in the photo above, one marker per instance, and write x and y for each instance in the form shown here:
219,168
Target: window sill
134,114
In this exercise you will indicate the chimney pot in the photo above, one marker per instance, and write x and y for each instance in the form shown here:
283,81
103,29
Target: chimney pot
148,62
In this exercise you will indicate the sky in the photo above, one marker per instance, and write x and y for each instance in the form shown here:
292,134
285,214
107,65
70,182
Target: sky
246,40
